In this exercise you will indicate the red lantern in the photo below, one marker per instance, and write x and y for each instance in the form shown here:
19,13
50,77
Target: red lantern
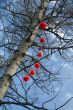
40,54
26,78
37,65
43,25
42,40
32,72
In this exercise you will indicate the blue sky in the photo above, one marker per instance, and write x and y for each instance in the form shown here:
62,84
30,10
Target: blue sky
67,90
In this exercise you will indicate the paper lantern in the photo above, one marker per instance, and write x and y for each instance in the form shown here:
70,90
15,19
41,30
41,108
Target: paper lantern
32,72
26,78
40,54
43,25
37,65
42,40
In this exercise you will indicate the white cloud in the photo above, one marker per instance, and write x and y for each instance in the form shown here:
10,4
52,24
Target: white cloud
67,67
68,95
57,89
62,99
53,2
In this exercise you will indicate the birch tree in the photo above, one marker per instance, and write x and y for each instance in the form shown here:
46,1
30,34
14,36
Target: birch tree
20,34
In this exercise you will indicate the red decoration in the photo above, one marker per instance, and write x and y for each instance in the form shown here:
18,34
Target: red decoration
37,65
43,25
26,78
40,54
32,72
42,40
